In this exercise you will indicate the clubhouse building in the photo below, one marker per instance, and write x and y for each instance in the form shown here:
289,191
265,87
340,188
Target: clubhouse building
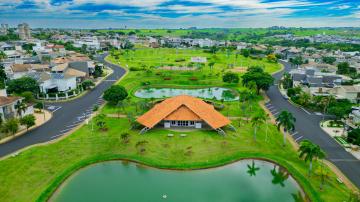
183,111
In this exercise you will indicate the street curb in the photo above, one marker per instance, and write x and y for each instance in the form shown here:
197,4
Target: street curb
66,134
23,132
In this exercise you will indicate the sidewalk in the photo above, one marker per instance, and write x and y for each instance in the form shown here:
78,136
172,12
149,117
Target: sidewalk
338,133
38,122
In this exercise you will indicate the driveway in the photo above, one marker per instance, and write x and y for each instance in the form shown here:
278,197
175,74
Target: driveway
307,126
66,115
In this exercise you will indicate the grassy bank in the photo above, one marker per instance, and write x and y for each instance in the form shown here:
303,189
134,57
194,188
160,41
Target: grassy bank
40,169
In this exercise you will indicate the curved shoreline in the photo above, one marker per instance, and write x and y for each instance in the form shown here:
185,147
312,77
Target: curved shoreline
301,181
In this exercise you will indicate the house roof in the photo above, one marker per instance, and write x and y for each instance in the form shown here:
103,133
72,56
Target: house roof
20,67
75,72
60,67
8,100
183,107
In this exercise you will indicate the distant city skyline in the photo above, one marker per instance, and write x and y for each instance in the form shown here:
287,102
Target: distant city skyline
180,14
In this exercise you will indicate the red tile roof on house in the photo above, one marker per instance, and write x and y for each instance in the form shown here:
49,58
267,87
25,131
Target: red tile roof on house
183,107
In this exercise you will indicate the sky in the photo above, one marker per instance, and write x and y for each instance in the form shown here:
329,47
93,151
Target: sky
180,13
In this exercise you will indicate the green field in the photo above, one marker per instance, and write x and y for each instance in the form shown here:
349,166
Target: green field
26,176
38,171
237,34
150,61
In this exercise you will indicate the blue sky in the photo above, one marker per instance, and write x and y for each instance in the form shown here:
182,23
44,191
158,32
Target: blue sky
180,13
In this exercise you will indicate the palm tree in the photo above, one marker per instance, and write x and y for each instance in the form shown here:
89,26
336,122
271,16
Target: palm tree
20,107
252,169
121,105
279,176
267,127
310,151
256,121
287,121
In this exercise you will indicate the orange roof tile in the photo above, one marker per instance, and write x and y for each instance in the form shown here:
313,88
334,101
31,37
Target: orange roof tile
183,107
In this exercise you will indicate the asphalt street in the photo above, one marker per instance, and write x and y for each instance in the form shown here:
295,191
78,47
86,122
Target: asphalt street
66,115
307,126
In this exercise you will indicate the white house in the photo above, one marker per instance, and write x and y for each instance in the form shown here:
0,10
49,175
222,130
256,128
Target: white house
8,106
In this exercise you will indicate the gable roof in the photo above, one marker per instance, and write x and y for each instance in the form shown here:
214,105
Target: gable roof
183,107
8,100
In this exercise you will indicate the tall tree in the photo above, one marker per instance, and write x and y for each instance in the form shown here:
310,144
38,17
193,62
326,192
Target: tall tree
256,121
310,151
114,94
287,121
256,74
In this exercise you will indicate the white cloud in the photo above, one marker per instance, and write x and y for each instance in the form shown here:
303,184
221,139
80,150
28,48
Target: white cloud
192,9
340,7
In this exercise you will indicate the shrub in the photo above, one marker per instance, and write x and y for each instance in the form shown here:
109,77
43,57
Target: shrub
180,60
230,77
167,78
28,121
354,137
193,78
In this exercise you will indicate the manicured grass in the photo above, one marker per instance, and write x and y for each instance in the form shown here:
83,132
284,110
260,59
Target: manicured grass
26,176
150,59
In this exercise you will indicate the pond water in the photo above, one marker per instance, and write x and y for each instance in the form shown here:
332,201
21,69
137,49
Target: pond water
206,93
247,180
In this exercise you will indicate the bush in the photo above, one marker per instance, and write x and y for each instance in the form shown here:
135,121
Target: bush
28,121
28,96
354,137
230,77
11,126
193,78
167,78
180,60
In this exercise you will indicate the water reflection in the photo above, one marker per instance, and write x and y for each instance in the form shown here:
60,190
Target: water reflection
216,93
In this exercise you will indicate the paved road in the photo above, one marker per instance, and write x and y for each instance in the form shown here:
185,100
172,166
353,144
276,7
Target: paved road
307,127
66,115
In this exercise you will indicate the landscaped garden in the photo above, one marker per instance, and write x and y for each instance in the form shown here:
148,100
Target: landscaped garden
34,174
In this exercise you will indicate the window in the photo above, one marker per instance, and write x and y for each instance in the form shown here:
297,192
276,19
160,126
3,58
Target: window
192,123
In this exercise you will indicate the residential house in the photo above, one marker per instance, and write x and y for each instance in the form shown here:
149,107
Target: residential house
8,106
352,93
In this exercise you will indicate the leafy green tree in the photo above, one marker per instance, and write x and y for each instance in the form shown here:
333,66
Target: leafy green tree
287,81
344,68
28,121
23,84
298,60
354,136
11,126
115,94
245,52
328,59
2,56
230,77
271,58
256,74
310,151
340,109
3,76
98,71
287,121
87,84
28,97
256,121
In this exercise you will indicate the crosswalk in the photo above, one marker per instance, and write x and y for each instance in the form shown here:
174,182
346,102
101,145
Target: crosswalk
77,120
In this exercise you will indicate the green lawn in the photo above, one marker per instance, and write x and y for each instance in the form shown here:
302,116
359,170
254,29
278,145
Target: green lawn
36,172
150,59
26,176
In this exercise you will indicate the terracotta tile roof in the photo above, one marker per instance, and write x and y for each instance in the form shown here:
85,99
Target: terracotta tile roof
8,100
183,107
183,113
75,72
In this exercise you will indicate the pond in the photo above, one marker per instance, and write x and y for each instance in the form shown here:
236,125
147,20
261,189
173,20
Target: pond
216,93
246,180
